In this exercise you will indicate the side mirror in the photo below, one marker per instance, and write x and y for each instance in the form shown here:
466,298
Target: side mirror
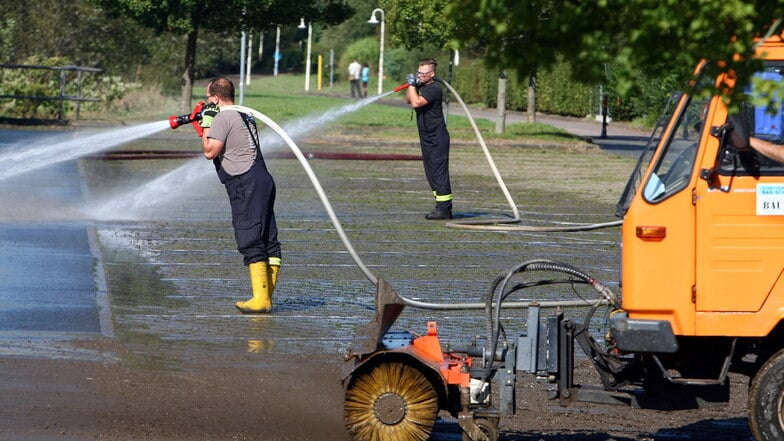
738,132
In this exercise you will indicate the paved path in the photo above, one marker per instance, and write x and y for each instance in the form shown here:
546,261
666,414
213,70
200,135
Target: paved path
621,139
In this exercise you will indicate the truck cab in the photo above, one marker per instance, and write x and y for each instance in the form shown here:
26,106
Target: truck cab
703,241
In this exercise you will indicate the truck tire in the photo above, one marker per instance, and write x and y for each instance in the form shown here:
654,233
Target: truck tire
766,400
487,427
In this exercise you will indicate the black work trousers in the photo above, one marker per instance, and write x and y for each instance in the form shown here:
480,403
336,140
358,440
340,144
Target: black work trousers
435,158
252,198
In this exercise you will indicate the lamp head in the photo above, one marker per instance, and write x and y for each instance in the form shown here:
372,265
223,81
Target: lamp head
301,23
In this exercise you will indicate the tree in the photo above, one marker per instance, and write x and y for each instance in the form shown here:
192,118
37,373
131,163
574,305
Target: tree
659,36
417,23
188,17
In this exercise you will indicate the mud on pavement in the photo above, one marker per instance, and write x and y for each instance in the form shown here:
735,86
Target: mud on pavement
181,363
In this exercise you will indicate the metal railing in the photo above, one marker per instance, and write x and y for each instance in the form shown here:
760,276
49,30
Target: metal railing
61,97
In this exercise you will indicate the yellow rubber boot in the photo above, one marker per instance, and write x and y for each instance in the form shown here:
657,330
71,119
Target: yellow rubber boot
260,284
274,268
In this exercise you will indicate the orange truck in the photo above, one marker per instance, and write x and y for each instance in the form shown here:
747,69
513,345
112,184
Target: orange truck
702,277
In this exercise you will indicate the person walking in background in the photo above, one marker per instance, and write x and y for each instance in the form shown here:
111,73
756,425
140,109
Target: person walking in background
365,75
425,95
354,72
231,140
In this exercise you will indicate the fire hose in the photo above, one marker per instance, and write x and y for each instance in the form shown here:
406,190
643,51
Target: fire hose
176,121
496,224
607,296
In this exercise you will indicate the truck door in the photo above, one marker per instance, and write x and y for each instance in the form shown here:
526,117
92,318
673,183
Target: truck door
658,227
740,221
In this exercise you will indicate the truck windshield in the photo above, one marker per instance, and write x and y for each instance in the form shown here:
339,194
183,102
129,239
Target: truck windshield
673,170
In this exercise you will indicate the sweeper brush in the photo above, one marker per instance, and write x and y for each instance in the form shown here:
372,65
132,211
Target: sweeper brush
390,401
398,382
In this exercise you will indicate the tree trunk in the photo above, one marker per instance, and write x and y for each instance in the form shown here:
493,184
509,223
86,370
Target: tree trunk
500,123
187,75
531,110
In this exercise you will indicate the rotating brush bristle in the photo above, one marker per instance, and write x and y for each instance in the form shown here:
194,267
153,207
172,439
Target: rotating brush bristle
391,401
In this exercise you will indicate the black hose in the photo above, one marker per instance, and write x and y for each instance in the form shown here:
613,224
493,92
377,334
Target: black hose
500,283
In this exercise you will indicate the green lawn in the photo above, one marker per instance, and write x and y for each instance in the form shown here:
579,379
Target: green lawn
283,99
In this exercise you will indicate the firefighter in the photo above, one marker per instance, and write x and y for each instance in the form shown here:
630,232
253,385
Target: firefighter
231,140
425,98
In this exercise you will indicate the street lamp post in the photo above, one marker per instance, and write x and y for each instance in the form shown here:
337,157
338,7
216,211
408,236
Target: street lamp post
307,64
277,50
374,20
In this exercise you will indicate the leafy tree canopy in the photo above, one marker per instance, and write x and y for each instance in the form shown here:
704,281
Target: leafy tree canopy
658,36
186,16
419,23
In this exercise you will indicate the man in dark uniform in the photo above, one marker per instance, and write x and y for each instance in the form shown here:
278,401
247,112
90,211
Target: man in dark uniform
425,98
231,139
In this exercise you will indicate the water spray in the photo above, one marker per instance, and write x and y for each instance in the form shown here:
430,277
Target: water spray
127,205
48,151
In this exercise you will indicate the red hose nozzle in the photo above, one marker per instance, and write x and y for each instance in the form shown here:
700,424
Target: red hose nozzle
176,121
193,118
401,87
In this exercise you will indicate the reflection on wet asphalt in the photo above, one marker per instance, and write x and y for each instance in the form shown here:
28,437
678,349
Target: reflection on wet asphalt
173,275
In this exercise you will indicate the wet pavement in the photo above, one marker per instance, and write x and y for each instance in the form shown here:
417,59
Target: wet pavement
51,289
172,277
163,281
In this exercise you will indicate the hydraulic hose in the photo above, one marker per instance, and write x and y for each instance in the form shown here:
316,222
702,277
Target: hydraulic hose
496,224
316,184
493,306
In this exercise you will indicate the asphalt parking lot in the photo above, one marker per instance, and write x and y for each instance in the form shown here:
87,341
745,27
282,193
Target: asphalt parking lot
131,264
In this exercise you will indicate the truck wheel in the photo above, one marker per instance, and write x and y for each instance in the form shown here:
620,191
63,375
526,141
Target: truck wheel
488,429
766,400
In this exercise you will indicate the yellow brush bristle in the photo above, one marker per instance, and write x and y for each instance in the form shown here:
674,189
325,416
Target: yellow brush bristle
394,382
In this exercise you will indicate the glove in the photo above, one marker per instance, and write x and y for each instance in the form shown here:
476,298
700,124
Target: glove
195,118
208,115
411,79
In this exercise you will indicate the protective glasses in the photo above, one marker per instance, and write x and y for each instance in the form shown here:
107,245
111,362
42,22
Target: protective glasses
422,74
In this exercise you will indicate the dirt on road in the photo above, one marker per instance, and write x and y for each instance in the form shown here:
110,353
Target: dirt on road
287,398
182,364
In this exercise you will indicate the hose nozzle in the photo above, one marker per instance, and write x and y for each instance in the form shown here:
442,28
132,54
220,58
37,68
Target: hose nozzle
195,116
401,87
176,121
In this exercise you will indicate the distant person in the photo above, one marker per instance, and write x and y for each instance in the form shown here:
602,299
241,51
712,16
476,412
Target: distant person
365,76
231,139
354,72
425,97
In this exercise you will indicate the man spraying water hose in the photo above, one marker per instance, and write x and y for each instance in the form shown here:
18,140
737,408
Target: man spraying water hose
425,98
231,140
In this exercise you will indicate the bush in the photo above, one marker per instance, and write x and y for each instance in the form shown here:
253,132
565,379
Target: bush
558,93
46,83
364,51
